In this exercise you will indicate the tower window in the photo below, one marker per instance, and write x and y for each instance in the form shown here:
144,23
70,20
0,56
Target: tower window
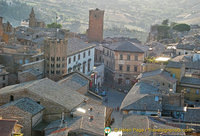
52,65
58,72
58,58
52,59
58,65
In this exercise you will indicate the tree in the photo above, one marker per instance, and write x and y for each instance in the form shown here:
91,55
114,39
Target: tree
54,25
165,22
181,27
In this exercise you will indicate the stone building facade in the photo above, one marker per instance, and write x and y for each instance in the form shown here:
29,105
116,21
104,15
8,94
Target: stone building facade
3,77
55,52
96,20
123,62
28,116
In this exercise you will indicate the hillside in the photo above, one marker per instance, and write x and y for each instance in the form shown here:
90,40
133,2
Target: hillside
134,15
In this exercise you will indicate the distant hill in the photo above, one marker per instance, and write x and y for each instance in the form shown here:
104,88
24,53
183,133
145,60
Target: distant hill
134,15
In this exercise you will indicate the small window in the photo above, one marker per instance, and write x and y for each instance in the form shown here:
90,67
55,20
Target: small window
69,60
52,65
38,102
120,67
63,58
84,55
4,84
52,72
79,57
58,72
11,98
52,59
63,65
163,84
121,57
128,57
89,53
135,68
197,91
58,58
58,65
136,58
4,77
128,68
74,58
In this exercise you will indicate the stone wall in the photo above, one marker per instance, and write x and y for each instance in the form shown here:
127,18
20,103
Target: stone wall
23,118
52,110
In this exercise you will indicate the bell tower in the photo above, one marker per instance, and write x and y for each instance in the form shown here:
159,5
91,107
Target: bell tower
32,19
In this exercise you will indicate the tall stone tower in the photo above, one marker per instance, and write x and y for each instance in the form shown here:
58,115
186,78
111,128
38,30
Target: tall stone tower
1,26
55,53
96,20
32,19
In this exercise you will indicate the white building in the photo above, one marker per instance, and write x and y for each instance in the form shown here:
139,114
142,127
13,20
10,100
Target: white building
80,56
186,49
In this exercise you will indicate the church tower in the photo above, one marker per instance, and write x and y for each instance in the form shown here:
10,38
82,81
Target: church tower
96,21
32,19
55,52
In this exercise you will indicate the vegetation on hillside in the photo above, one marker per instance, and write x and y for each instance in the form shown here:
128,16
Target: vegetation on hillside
54,25
181,27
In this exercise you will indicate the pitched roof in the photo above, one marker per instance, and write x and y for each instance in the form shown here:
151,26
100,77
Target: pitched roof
76,45
188,47
34,72
146,123
190,80
74,81
51,90
6,127
124,46
81,122
26,104
140,97
172,64
160,72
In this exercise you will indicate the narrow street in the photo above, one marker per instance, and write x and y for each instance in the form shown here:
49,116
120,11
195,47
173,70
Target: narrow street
115,99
